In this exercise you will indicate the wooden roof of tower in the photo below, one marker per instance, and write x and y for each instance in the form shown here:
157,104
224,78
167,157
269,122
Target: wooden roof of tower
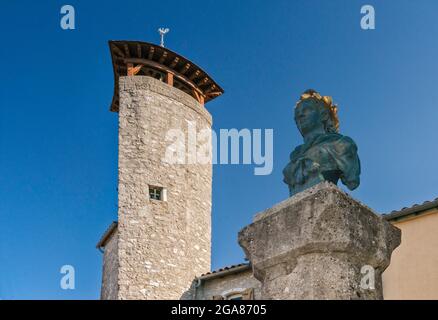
129,57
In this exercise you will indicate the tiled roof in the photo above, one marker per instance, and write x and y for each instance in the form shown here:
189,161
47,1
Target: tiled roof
416,209
163,60
227,269
106,235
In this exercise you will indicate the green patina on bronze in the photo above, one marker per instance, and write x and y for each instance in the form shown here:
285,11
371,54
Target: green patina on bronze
325,155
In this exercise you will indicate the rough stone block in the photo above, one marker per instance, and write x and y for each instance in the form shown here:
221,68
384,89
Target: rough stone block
319,244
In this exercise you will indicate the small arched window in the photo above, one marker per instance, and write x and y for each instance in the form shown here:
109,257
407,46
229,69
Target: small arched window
241,294
235,296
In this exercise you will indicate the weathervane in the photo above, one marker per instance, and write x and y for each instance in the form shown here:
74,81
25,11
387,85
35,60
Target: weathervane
162,32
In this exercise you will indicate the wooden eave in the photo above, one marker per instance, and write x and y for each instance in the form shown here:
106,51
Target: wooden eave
128,57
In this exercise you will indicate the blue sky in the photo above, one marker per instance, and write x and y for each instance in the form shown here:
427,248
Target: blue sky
58,140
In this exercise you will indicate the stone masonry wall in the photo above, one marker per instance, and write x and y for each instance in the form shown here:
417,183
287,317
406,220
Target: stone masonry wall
110,272
162,245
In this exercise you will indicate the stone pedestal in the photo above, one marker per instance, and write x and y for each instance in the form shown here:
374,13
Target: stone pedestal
320,244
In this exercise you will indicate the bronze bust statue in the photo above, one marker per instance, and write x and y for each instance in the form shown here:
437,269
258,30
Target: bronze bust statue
325,154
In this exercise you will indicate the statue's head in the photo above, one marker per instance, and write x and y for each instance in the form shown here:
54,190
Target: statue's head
316,112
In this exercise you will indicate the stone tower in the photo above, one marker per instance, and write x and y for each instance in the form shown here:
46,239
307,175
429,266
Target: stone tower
162,238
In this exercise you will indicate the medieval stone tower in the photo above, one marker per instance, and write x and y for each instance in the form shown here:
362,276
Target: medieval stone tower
162,238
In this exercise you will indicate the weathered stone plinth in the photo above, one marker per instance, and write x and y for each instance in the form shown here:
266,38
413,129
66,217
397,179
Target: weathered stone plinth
319,244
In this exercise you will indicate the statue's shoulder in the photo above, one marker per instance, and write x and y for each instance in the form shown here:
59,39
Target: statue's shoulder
347,141
340,139
340,143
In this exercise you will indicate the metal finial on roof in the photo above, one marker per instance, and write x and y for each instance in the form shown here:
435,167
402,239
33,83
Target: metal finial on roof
162,32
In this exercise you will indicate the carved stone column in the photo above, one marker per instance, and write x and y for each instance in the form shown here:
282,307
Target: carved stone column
320,244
